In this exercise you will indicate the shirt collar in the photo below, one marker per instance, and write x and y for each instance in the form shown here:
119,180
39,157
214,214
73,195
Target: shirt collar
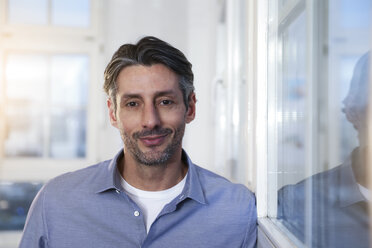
109,178
108,174
193,188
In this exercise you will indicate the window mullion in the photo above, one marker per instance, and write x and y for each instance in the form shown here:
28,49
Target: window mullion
47,110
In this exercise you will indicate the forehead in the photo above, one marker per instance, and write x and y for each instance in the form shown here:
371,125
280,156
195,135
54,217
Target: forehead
145,79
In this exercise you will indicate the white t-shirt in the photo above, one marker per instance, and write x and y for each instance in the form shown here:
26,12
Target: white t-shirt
365,192
152,202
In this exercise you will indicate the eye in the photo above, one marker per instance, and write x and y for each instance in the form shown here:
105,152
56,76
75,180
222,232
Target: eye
131,104
166,102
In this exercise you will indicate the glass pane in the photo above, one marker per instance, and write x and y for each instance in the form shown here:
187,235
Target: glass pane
28,12
291,123
15,201
25,135
74,13
348,134
25,78
339,194
324,204
282,4
355,14
291,104
68,133
69,97
69,79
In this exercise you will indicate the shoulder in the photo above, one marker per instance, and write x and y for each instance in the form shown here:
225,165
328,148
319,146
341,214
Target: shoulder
324,185
215,185
82,179
316,182
232,204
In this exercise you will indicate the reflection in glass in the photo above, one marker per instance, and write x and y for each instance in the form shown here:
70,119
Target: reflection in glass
291,104
71,13
355,15
28,12
347,131
329,207
338,197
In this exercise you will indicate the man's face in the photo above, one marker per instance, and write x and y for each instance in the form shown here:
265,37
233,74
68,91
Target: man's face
151,114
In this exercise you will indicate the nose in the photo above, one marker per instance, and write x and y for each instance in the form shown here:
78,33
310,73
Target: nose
150,117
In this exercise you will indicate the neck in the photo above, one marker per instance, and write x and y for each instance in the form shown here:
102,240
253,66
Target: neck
152,177
359,165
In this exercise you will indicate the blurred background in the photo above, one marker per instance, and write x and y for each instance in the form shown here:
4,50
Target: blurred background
271,79
53,116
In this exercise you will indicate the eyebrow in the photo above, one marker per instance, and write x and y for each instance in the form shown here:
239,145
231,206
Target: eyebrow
138,96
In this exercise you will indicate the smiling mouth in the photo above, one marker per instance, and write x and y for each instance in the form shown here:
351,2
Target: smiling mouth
155,140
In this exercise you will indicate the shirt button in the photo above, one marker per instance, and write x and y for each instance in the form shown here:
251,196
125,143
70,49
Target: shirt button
136,213
117,191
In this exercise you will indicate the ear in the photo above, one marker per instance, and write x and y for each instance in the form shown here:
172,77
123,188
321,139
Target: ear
190,114
112,114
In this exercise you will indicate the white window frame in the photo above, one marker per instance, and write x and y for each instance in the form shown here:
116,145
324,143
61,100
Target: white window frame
55,40
270,234
96,7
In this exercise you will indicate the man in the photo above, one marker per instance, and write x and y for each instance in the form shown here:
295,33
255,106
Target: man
150,194
340,196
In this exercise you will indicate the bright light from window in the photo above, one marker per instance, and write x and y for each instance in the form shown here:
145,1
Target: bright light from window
33,12
71,13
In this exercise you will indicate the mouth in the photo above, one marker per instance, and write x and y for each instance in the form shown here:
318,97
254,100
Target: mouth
153,140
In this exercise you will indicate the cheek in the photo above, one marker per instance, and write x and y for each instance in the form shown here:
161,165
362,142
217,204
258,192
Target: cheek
173,118
127,123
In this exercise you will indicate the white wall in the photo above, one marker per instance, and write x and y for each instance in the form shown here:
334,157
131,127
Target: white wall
202,27
188,25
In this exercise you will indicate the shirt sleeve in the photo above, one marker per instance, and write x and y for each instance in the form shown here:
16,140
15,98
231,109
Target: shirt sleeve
250,240
35,231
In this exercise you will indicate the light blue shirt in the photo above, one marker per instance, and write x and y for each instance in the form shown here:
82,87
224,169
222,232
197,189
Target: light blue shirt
339,211
89,208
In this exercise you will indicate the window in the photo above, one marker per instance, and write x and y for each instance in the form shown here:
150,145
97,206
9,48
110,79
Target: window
67,13
46,75
318,81
46,105
48,59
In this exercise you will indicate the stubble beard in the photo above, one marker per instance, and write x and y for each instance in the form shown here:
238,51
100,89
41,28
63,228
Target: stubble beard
154,158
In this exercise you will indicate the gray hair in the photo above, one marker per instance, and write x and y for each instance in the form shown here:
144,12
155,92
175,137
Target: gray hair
149,51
